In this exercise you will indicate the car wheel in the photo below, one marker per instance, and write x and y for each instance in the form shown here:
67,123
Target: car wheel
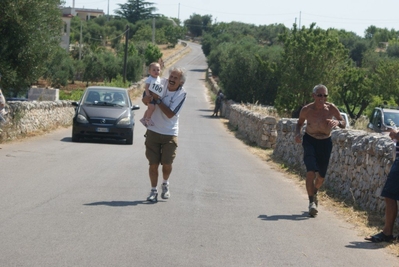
129,140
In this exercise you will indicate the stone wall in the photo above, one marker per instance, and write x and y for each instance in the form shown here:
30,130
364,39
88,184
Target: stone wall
27,117
256,127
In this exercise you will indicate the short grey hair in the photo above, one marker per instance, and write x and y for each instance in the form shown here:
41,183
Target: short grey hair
319,86
182,72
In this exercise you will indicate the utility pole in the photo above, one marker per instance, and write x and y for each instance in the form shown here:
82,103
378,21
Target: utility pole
299,20
125,56
80,42
108,12
153,31
178,13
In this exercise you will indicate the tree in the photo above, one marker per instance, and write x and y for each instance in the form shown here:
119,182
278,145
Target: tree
173,34
196,24
30,33
353,90
135,10
385,79
94,68
311,56
152,54
134,68
113,65
250,75
60,69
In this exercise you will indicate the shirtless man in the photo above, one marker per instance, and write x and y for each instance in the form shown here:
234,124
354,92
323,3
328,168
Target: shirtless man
321,117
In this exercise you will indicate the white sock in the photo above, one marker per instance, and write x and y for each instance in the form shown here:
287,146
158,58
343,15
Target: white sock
165,181
154,189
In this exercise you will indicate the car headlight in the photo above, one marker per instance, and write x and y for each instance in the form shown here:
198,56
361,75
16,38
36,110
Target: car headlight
81,119
124,121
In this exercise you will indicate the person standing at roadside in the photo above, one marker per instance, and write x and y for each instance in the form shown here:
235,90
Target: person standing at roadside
161,138
218,103
321,117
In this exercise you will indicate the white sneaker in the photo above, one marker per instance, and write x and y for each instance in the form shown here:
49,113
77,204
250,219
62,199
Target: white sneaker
313,209
153,197
165,191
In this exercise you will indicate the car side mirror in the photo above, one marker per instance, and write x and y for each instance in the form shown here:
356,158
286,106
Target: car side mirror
74,103
135,107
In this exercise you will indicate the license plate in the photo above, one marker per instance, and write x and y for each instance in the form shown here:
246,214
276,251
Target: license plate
102,130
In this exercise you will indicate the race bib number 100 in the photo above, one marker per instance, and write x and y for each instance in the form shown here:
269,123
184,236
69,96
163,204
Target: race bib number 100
156,88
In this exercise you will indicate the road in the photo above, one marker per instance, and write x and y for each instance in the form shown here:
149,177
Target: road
83,204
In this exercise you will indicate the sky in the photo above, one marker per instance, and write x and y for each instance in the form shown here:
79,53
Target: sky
350,15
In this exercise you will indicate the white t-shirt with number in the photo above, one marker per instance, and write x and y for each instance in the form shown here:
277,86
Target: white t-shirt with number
173,100
155,85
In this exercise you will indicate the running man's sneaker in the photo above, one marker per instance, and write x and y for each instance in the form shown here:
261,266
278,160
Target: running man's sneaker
165,191
313,209
153,197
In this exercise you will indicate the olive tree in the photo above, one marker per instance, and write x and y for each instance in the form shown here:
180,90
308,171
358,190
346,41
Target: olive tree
311,56
30,33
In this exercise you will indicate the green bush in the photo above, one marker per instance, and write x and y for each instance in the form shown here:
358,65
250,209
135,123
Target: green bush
117,82
74,95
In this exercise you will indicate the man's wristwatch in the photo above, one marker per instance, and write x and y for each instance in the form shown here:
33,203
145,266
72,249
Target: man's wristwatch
158,101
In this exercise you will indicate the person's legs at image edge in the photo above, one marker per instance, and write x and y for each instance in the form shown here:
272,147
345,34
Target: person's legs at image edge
391,211
390,192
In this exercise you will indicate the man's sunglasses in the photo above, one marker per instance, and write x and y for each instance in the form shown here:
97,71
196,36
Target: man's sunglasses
320,95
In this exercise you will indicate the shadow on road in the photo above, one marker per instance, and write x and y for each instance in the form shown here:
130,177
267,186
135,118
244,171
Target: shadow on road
367,245
293,217
120,203
96,141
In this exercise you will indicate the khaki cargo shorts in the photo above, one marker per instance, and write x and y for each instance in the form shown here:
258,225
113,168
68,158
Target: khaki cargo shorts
160,148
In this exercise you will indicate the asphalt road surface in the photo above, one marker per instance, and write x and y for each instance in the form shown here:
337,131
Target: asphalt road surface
84,204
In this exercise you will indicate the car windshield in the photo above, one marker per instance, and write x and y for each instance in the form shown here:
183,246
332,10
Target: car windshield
106,98
391,118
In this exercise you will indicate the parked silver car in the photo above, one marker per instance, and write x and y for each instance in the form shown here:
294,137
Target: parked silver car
384,118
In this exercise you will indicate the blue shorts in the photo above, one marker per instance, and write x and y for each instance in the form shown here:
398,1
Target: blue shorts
316,154
391,187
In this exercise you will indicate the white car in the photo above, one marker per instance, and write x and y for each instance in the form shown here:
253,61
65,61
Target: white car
346,118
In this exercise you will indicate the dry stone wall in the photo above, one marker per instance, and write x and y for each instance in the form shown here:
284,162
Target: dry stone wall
31,116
